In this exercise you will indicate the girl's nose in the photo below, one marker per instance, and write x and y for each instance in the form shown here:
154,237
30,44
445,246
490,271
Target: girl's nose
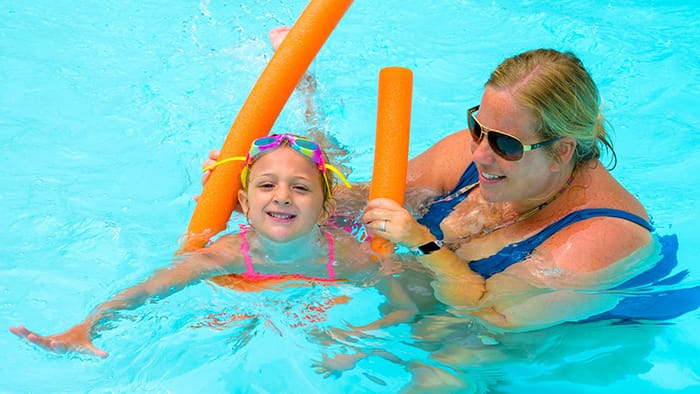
282,196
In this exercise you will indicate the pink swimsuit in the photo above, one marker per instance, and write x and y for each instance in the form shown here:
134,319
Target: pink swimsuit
307,312
252,276
255,281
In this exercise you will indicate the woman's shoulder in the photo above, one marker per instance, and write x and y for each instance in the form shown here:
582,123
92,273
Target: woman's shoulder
596,243
602,190
600,239
457,142
442,164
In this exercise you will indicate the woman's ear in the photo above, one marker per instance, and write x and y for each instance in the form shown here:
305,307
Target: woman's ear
564,150
327,212
243,200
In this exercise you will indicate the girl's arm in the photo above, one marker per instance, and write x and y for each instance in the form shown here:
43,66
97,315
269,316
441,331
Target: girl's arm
357,260
403,309
189,269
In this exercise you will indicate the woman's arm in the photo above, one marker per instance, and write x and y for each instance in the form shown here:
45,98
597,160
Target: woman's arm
455,283
559,282
567,278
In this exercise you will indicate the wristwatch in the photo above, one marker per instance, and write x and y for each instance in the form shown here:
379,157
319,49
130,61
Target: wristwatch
426,248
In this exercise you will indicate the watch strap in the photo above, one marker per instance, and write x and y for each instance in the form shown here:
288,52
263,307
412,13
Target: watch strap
427,248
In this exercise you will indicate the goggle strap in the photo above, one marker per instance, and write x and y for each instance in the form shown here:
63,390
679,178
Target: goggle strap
220,162
243,158
339,175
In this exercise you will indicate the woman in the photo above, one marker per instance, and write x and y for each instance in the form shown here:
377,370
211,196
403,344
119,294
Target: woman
522,214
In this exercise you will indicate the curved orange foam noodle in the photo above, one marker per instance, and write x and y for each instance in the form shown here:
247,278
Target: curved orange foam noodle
392,139
258,114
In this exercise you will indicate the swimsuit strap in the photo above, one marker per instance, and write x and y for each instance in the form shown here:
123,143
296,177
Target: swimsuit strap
588,213
442,206
519,251
331,255
244,249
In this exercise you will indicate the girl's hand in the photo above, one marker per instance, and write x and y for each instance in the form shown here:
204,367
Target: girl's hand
213,157
76,339
334,366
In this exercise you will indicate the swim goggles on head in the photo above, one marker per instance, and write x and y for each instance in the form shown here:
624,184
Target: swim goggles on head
503,144
303,145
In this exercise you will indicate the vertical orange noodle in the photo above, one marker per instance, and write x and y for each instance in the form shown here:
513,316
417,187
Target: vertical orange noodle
258,114
392,138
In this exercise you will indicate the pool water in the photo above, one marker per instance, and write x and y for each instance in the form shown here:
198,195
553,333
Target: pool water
107,111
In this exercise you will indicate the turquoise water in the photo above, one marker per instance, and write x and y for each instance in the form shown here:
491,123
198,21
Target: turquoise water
107,110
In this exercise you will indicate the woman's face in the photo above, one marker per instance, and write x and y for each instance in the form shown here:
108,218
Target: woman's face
525,181
284,198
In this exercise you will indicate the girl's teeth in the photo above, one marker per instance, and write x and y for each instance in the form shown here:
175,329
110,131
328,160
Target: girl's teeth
280,215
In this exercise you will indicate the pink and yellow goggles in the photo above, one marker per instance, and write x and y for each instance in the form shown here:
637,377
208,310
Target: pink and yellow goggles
305,146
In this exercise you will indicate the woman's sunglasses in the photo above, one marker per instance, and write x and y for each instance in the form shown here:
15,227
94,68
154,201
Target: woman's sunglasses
503,144
303,145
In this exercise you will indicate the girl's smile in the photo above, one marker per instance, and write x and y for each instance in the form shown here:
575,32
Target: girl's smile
284,198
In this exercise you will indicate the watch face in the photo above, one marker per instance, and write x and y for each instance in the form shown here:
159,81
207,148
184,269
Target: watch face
429,247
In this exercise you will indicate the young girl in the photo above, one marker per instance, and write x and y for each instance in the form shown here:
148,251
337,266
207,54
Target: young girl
287,198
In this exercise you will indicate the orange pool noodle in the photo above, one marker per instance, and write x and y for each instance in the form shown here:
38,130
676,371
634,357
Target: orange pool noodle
392,138
258,114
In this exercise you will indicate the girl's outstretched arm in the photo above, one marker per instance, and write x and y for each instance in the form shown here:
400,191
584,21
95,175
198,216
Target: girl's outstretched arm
189,269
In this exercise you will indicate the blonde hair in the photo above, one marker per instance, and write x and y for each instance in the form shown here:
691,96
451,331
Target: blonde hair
556,87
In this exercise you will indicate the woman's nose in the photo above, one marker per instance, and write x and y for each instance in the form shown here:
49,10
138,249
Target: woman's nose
481,151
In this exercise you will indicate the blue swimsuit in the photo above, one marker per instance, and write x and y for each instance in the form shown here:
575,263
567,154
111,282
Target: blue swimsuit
657,305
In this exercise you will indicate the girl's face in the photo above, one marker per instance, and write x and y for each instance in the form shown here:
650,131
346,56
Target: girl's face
284,198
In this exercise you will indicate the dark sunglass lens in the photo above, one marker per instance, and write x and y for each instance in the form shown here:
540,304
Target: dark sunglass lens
475,128
508,147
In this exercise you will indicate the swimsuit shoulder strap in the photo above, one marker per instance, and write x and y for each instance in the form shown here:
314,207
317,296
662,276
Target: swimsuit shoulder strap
331,255
249,263
244,249
588,213
518,251
469,176
442,206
